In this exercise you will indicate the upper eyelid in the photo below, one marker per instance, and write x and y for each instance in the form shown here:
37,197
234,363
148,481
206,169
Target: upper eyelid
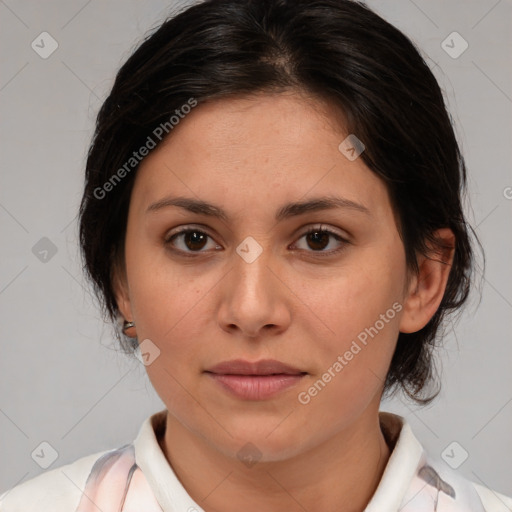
321,226
189,227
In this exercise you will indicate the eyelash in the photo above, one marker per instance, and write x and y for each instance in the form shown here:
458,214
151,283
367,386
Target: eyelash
315,229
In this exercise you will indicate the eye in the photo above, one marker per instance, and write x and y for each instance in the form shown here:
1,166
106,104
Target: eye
192,240
317,238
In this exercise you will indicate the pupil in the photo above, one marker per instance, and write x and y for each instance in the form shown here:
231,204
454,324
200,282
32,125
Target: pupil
195,238
317,239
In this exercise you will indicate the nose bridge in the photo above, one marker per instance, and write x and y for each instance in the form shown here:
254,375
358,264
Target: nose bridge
251,265
251,299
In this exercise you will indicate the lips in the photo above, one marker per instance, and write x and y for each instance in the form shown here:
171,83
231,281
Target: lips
258,380
262,367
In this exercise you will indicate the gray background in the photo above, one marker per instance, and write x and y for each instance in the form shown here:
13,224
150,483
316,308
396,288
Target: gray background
62,379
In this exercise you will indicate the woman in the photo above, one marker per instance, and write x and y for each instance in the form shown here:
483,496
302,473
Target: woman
272,209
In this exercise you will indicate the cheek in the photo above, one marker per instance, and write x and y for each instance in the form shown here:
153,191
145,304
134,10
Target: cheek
171,312
353,363
169,306
167,301
358,294
362,310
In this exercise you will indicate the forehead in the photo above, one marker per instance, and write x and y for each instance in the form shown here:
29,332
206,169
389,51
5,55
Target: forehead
271,122
252,151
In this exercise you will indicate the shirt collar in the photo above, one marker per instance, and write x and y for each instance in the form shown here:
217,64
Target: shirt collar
170,493
161,477
402,464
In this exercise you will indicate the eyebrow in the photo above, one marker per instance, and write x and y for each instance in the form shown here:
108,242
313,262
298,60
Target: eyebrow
285,212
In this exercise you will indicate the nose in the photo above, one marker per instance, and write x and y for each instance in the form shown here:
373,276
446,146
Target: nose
254,300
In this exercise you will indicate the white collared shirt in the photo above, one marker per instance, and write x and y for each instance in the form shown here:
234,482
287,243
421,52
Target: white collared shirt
137,477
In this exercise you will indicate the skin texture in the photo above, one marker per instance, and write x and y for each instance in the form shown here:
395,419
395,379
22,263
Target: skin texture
294,303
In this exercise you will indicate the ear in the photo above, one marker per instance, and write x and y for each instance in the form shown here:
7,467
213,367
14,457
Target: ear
121,292
426,289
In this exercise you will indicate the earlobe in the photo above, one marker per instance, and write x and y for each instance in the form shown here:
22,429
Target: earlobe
426,289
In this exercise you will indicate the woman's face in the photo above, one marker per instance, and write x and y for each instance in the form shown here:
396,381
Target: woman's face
253,285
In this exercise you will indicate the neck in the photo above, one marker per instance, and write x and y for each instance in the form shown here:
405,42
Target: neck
340,474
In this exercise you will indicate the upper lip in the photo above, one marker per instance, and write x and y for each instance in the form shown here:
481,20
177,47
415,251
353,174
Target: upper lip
262,367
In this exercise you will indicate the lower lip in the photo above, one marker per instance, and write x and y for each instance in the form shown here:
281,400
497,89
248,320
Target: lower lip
255,387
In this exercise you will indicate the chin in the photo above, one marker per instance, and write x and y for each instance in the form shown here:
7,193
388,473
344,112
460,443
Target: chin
257,442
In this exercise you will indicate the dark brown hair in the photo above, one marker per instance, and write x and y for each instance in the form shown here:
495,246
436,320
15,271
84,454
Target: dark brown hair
338,51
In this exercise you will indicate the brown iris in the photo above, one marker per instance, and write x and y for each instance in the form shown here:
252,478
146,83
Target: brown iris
196,238
318,238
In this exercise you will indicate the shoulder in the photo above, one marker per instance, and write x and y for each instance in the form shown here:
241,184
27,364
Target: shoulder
493,501
465,493
436,482
418,481
57,490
